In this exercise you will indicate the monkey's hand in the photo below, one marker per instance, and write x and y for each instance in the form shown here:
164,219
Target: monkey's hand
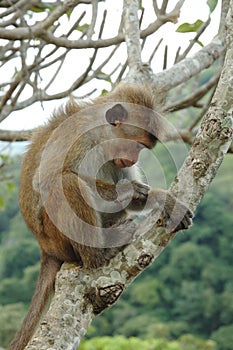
134,192
174,214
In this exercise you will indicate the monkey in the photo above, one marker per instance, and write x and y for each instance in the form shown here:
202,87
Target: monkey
79,184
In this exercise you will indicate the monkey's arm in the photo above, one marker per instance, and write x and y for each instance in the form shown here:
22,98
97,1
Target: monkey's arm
124,190
175,213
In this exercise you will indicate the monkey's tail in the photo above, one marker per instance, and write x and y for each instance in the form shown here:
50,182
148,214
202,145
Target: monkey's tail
44,289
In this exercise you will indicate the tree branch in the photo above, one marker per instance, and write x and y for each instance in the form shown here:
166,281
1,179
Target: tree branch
10,136
132,34
40,30
191,99
189,67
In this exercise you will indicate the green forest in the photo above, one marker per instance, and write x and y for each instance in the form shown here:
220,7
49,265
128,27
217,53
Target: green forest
183,301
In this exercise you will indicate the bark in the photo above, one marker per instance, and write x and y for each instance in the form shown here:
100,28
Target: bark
81,295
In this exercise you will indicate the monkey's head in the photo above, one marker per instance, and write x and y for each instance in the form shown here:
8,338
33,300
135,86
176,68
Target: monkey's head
133,127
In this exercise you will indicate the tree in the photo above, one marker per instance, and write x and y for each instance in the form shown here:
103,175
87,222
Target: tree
82,297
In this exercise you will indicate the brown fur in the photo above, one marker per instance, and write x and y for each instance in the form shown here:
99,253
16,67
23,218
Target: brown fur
78,190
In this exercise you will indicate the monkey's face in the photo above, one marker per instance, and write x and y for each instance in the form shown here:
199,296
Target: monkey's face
128,135
124,150
125,153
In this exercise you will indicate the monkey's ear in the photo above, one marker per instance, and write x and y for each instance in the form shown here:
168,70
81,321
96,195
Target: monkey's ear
116,115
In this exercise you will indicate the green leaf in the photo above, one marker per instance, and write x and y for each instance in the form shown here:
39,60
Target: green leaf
69,12
200,43
3,157
104,92
212,4
41,8
10,186
37,9
189,27
83,28
2,203
103,76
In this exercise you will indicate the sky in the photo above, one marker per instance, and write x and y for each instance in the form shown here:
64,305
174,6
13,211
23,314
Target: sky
191,11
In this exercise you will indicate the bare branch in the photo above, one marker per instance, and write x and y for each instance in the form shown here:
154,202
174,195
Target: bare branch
165,57
10,136
91,28
194,97
202,114
156,8
40,30
190,67
155,50
153,27
123,69
14,7
164,6
55,14
132,34
162,81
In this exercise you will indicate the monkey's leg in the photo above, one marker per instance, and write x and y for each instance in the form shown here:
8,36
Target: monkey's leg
92,239
71,208
115,229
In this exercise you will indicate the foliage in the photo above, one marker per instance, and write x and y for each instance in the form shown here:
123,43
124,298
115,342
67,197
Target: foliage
212,4
187,290
10,317
224,336
189,27
121,343
6,184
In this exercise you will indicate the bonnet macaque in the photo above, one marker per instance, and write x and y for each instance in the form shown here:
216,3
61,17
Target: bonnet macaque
78,185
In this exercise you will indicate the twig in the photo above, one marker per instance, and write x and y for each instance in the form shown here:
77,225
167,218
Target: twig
203,112
194,97
164,7
165,57
155,50
193,41
91,28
